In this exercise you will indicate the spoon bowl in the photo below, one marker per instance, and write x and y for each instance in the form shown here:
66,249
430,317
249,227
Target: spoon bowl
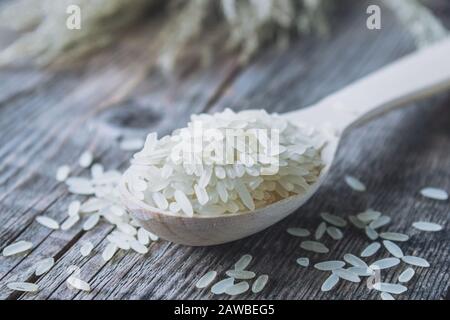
203,230
415,76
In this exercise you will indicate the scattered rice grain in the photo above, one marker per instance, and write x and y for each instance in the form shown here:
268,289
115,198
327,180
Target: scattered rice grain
394,236
23,286
243,262
329,283
260,283
240,274
394,249
371,249
389,287
427,226
16,248
333,219
406,275
416,261
355,184
206,280
86,159
314,246
329,265
434,193
335,233
62,173
304,262
320,231
43,266
47,222
237,288
298,232
222,285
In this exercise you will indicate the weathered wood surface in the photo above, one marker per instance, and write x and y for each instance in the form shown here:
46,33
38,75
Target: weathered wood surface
49,118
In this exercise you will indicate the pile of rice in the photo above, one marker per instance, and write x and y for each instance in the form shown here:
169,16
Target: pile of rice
270,159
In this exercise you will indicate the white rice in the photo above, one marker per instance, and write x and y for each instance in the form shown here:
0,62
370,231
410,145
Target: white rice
346,275
16,248
394,236
394,249
330,283
143,236
380,222
23,286
368,215
62,173
237,288
361,271
389,287
70,222
97,171
47,222
320,231
240,274
371,233
120,242
214,187
109,251
355,184
184,202
298,232
304,262
406,275
243,262
371,249
416,261
384,263
260,283
356,222
335,233
314,246
91,222
138,247
93,205
222,285
74,208
333,219
206,280
329,265
86,248
78,284
434,193
43,266
386,296
354,260
86,159
427,226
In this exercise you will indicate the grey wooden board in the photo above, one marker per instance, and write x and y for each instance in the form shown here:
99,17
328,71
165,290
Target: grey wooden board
49,118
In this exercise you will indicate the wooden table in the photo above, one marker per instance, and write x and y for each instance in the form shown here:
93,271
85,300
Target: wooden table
48,118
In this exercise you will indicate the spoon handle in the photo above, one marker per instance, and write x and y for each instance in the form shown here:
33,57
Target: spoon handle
414,76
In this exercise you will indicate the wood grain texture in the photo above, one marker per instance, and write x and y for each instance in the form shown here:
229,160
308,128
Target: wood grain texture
49,118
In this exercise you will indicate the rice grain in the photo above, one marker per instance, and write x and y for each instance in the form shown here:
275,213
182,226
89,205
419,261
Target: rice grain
206,279
260,283
16,248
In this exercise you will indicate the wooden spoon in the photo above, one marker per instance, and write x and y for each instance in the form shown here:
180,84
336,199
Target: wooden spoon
415,76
